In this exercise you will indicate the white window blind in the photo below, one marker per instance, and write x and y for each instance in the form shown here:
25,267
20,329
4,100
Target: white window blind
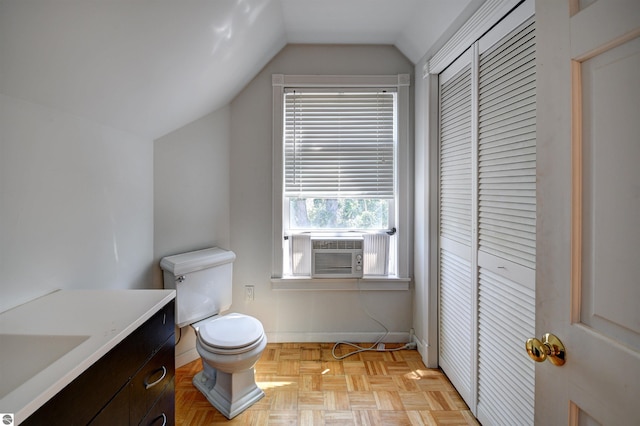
339,144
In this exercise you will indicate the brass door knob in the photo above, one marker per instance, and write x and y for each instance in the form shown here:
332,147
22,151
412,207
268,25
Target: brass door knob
549,348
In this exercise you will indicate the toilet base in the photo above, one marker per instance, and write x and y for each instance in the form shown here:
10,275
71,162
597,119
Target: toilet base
230,394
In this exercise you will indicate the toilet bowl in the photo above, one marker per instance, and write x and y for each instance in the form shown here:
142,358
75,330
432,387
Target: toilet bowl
229,346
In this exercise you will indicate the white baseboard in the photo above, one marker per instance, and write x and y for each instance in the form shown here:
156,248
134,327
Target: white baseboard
364,337
423,350
288,337
186,357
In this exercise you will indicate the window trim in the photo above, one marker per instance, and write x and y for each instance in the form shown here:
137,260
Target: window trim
401,82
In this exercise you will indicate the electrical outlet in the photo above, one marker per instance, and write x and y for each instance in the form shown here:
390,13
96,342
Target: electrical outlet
249,293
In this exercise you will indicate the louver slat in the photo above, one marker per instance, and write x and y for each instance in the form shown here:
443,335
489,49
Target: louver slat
505,383
455,316
455,157
507,149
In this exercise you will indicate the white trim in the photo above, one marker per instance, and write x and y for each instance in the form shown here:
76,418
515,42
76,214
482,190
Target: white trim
504,27
479,23
330,337
349,284
277,236
457,65
430,351
396,80
404,163
186,357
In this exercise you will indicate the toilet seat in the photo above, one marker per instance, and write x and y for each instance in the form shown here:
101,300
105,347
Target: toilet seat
230,334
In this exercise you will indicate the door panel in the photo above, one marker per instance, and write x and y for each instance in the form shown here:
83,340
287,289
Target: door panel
611,193
505,375
456,320
588,210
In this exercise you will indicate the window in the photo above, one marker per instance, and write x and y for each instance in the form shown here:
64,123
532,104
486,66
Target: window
339,159
338,142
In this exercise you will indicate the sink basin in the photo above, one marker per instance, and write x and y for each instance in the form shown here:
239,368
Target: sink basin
33,353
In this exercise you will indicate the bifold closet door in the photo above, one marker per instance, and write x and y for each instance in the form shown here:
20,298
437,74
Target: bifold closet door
487,217
456,294
506,224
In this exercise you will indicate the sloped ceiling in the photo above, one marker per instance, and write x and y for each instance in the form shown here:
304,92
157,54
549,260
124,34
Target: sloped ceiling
151,66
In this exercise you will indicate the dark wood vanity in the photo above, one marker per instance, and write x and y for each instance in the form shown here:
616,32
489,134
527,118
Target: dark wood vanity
133,384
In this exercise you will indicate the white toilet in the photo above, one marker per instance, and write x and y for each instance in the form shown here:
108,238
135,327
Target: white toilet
229,345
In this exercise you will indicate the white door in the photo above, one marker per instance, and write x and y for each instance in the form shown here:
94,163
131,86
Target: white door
588,218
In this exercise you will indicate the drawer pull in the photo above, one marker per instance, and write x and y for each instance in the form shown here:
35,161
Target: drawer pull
162,416
152,384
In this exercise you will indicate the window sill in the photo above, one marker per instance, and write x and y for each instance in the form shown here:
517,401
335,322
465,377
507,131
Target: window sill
340,284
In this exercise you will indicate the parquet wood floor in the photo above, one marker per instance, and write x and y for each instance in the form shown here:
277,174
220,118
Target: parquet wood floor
305,385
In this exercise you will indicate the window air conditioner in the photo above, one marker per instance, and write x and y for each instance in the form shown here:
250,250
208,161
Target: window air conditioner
336,256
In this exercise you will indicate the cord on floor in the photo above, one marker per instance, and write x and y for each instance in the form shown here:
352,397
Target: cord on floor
374,347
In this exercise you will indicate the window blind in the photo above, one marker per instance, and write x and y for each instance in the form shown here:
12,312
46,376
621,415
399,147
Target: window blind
339,144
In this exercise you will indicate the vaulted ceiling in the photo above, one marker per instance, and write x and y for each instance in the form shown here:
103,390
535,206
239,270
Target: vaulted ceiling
151,66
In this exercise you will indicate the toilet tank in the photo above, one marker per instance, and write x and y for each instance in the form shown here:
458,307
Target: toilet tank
202,280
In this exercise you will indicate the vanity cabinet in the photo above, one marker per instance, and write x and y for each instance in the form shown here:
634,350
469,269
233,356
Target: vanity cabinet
132,384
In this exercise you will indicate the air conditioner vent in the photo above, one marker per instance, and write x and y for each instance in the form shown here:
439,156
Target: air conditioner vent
338,244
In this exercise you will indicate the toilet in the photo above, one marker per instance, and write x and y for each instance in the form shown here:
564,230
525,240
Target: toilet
230,344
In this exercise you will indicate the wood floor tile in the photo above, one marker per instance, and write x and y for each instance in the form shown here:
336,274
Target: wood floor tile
337,400
358,382
334,383
305,385
310,417
313,400
388,400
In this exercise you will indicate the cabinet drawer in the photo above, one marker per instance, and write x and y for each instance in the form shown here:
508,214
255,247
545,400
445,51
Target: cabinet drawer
150,336
147,385
163,411
116,412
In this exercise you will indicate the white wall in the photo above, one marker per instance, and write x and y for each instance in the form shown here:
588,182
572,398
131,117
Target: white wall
191,188
191,197
298,315
76,204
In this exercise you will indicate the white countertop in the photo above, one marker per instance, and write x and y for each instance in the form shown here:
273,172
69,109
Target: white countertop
103,318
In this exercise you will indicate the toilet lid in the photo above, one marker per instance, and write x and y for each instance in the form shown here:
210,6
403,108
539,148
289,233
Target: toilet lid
231,331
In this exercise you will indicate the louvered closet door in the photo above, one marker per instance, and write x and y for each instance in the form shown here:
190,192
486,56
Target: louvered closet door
456,336
487,208
506,225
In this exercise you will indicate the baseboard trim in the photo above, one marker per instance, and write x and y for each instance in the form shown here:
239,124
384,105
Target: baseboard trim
186,357
295,337
364,337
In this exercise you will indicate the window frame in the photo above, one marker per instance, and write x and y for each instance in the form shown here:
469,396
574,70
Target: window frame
404,179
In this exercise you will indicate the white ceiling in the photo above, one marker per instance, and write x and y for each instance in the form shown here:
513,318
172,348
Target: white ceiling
152,66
